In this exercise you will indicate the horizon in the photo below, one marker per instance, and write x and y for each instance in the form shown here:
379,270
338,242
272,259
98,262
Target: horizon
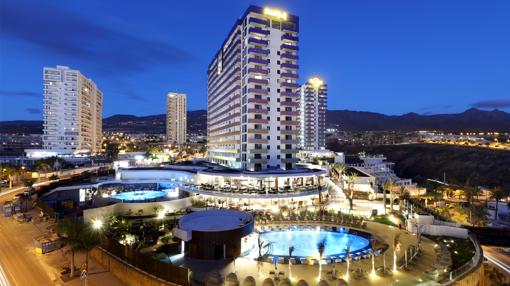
422,57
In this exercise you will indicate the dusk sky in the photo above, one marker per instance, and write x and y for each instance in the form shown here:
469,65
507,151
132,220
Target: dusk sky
393,57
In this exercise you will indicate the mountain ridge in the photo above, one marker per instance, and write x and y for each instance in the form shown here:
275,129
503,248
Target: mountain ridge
469,120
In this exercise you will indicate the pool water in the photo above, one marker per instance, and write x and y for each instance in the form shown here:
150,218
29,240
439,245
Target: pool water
140,195
305,242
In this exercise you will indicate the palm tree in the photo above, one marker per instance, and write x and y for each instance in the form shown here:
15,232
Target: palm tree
347,255
498,194
262,244
80,237
291,250
396,247
321,246
388,186
350,186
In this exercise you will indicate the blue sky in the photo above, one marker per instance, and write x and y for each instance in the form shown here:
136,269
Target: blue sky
393,57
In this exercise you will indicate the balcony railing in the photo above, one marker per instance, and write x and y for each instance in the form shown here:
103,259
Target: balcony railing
257,80
289,75
258,51
257,110
289,47
258,21
289,84
258,70
289,66
290,94
257,100
258,90
257,41
258,61
259,31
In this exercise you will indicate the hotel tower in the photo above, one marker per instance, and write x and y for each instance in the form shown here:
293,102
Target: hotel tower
72,115
176,118
253,103
313,107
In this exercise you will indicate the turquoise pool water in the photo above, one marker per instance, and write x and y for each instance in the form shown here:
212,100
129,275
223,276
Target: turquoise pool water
139,195
305,242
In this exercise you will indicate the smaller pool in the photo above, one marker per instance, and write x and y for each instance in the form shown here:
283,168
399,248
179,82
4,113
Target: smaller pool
140,195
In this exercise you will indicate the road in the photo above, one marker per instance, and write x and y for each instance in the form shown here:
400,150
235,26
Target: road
497,258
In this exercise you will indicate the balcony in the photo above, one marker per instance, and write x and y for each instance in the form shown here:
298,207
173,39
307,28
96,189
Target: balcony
289,122
289,160
258,51
289,28
289,84
289,103
288,47
258,131
289,66
258,161
291,113
290,37
257,100
258,90
259,31
289,94
258,80
291,141
258,70
257,110
258,121
289,75
258,21
257,141
257,41
257,151
258,61
287,151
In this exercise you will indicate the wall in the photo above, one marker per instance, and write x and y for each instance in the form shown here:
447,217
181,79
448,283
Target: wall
147,207
126,273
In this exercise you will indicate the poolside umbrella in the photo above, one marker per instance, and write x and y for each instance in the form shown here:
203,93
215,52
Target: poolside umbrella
231,280
301,283
268,282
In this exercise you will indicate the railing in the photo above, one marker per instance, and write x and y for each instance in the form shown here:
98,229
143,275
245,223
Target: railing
474,262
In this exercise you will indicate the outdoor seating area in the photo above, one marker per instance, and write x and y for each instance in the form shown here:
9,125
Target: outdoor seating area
243,189
344,220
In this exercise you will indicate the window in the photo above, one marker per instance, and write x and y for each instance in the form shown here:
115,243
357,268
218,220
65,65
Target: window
257,136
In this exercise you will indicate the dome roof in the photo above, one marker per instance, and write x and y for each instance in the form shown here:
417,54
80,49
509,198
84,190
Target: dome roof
323,283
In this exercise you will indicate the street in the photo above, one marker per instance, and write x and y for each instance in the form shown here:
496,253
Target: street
497,258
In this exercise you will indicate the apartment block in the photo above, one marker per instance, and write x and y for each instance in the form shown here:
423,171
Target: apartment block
176,121
313,107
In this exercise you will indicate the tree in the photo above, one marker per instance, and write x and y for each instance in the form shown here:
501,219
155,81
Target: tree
351,179
387,186
8,172
80,237
321,246
498,194
112,150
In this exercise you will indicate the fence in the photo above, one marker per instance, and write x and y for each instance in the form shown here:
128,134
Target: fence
162,270
468,267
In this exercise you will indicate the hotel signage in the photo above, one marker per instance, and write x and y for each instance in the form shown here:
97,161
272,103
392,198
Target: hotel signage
281,15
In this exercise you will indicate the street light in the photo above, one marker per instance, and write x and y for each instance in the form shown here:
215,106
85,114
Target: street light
97,224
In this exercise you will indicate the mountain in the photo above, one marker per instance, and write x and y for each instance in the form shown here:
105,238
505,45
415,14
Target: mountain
470,120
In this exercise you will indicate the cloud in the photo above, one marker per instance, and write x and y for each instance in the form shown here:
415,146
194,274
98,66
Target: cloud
493,103
65,33
33,110
8,93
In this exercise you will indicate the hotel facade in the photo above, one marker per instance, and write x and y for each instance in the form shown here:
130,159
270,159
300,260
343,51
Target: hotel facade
253,103
72,112
176,118
313,106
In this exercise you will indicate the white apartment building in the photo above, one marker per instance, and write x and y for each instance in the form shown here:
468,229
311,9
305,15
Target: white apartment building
252,114
313,104
73,107
176,121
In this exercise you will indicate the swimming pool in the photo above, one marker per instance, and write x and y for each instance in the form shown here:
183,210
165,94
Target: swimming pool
305,242
139,195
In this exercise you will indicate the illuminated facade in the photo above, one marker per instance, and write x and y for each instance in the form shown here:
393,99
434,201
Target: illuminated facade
73,107
313,98
176,120
253,103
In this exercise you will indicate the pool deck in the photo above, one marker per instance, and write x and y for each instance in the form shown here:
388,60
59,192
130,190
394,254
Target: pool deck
248,267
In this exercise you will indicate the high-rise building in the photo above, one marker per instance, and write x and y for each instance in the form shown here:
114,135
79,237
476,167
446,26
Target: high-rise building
73,110
252,108
313,106
176,118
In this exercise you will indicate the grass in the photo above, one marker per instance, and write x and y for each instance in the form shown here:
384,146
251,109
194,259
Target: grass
384,220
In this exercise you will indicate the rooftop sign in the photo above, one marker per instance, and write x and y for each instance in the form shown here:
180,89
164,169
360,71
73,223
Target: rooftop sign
276,13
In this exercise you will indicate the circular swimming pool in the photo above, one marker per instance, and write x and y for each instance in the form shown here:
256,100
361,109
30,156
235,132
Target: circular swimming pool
305,242
144,195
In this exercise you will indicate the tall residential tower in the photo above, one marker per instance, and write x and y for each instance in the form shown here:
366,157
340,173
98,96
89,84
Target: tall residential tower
252,108
313,114
73,107
176,118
